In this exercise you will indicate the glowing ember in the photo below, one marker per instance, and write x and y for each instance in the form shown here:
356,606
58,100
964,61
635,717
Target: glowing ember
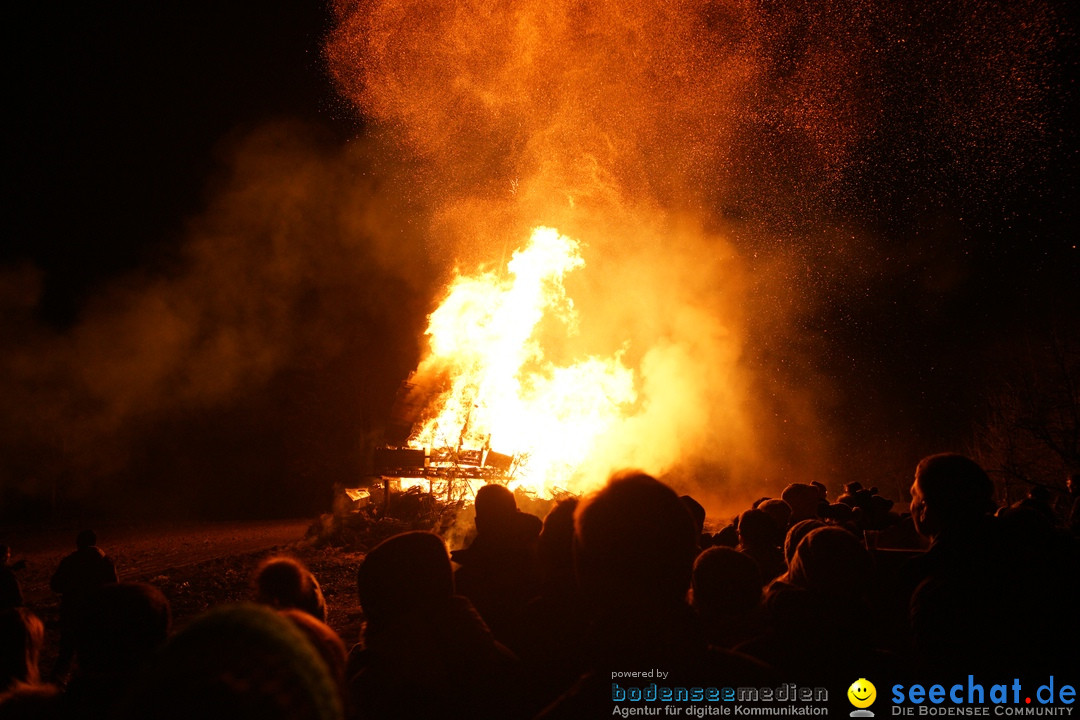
503,393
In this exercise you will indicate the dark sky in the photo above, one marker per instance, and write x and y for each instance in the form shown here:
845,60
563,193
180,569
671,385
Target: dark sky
117,110
120,117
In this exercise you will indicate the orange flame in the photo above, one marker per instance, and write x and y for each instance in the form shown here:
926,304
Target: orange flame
621,124
504,394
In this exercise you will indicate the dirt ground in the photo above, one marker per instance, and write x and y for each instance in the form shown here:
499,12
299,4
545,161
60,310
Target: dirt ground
196,566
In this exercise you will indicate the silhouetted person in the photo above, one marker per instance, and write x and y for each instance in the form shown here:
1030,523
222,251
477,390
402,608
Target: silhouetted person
22,694
120,627
804,500
549,633
21,637
498,570
555,549
10,592
284,582
1031,518
989,597
951,496
833,562
779,511
242,662
1037,504
726,594
634,548
839,514
78,574
728,535
760,538
957,596
426,652
794,535
329,645
822,627
697,513
877,515
869,510
853,494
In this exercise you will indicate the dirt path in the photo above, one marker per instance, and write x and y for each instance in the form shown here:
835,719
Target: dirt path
142,552
196,566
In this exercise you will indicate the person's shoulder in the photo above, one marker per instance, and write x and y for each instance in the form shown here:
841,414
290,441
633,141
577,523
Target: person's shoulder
95,557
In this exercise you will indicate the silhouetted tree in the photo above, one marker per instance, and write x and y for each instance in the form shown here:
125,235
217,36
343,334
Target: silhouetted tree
1030,432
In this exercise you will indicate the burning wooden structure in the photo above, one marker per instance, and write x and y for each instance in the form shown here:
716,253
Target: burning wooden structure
448,473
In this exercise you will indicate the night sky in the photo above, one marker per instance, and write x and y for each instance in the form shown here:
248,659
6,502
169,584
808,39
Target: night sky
934,258
119,113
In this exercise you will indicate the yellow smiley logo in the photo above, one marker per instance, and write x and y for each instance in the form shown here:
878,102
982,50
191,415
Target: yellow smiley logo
862,693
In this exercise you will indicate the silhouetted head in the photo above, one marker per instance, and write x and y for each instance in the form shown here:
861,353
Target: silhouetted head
727,537
242,662
495,508
803,500
779,511
838,512
498,520
121,626
5,554
634,540
757,528
21,636
556,542
832,561
85,539
950,491
284,582
697,512
797,532
726,582
559,523
403,574
328,643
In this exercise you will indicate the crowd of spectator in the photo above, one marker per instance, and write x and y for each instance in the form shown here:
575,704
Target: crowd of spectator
532,618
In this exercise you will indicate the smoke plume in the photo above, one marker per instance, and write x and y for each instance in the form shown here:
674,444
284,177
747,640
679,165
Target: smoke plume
751,182
708,154
242,377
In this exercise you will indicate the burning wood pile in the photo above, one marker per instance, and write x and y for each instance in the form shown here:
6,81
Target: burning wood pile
360,522
492,378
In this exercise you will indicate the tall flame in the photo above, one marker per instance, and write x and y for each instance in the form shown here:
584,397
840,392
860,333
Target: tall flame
503,392
622,125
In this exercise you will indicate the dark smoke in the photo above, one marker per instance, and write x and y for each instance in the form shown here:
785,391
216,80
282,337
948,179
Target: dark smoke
251,375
